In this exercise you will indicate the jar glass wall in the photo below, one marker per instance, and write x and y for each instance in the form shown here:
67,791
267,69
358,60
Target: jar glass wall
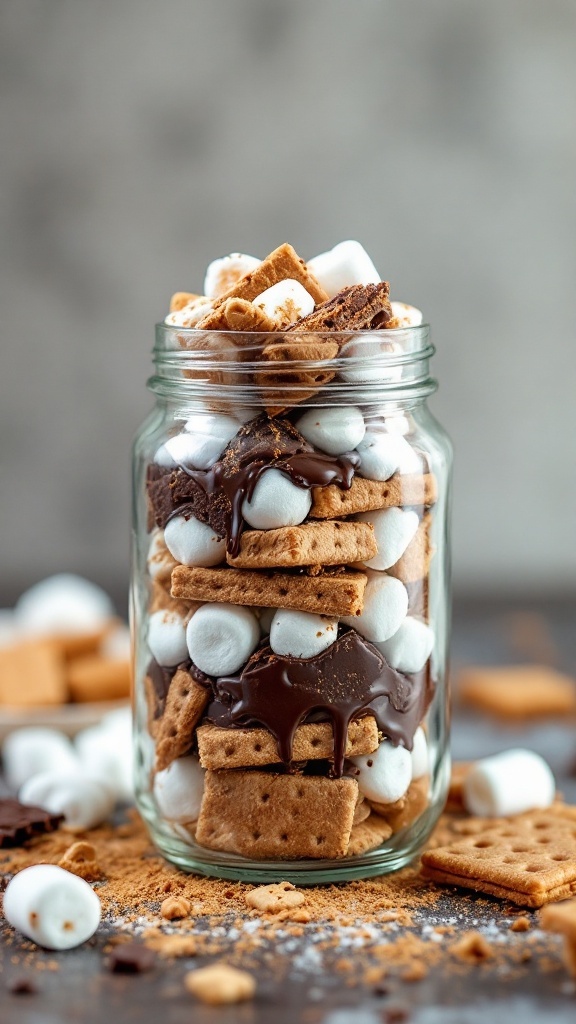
290,605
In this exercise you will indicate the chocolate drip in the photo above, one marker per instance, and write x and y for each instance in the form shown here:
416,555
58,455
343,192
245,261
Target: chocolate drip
348,681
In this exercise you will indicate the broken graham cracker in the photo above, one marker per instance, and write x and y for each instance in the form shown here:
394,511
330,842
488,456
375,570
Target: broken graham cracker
414,563
185,703
358,308
243,748
284,262
561,918
238,315
286,386
367,835
262,815
181,299
529,860
323,543
327,594
414,489
409,807
518,691
271,899
32,673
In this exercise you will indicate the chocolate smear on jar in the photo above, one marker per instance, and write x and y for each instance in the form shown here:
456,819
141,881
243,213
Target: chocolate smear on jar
349,680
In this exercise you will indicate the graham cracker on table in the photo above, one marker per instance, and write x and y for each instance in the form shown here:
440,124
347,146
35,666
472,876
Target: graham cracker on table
32,673
409,807
94,678
358,308
243,748
367,495
414,563
518,691
286,386
561,918
367,835
261,815
327,594
284,262
529,860
185,703
323,543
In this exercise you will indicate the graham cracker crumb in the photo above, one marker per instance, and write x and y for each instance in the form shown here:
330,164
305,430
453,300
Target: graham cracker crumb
473,948
174,908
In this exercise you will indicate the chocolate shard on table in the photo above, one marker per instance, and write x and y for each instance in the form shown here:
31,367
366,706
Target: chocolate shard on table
21,822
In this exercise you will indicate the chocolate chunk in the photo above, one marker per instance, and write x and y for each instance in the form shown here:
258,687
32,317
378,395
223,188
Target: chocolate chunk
359,308
132,958
18,822
22,987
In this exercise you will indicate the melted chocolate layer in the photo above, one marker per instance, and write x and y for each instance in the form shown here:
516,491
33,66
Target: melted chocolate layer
348,681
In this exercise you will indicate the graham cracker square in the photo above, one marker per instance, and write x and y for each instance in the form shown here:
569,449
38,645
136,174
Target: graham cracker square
518,691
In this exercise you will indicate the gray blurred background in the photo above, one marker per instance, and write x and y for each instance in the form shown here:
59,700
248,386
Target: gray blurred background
140,141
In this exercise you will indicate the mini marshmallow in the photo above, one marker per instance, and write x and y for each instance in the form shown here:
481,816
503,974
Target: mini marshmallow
105,753
509,783
178,790
276,502
221,638
224,272
335,430
84,801
200,445
384,454
410,647
64,603
420,756
385,775
346,264
385,607
371,356
394,528
167,638
300,634
190,314
265,617
285,302
408,316
191,542
51,906
25,752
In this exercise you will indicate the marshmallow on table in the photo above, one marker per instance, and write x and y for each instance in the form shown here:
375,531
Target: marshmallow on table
420,756
408,316
190,314
333,431
276,502
384,776
301,634
509,783
285,302
105,753
64,603
225,271
394,528
221,638
25,752
410,647
51,906
385,607
178,790
83,800
384,454
345,265
167,638
191,542
201,443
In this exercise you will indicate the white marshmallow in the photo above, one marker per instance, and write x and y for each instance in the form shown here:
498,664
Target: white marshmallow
394,528
221,638
509,783
224,272
408,316
385,454
285,302
265,617
385,607
371,356
178,790
84,801
276,502
159,561
300,634
51,906
191,542
116,644
25,752
346,264
386,774
64,603
202,442
335,430
167,638
420,756
410,647
190,314
105,753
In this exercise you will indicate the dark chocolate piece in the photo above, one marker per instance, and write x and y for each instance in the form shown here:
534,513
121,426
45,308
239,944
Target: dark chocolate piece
19,822
131,958
22,987
358,308
161,678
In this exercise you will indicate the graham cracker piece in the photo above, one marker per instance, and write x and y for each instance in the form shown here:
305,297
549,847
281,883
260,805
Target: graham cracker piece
419,489
518,691
271,899
287,386
409,807
280,264
95,678
185,704
181,299
358,308
561,918
414,563
361,811
325,543
32,673
367,835
338,594
243,748
282,817
529,860
237,315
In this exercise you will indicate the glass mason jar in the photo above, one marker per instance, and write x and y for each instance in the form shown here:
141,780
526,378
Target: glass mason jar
290,603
